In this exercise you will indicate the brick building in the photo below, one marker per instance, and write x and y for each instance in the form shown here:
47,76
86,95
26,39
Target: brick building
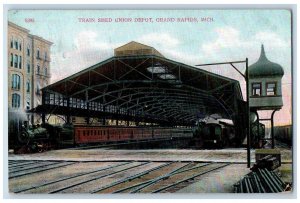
28,70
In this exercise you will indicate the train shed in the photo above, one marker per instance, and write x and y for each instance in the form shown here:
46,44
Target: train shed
139,84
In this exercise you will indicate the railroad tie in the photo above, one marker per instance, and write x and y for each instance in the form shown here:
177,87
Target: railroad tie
262,181
130,178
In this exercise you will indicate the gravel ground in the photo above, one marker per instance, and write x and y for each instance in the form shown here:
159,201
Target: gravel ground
218,181
238,155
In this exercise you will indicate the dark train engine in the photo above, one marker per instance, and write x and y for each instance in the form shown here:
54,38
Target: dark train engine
257,135
39,138
216,133
33,138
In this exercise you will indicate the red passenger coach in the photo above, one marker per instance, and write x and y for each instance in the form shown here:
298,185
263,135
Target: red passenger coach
101,134
84,134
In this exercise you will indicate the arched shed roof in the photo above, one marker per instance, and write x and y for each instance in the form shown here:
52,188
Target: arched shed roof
148,88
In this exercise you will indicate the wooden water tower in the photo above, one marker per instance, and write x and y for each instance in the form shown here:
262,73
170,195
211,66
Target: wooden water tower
265,88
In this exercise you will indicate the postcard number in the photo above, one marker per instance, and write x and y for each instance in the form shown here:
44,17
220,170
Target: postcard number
29,20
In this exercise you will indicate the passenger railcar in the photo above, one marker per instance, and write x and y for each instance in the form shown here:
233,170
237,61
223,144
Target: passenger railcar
100,134
46,135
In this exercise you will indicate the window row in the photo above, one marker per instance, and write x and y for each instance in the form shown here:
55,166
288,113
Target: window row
270,89
16,61
16,44
38,55
16,101
16,83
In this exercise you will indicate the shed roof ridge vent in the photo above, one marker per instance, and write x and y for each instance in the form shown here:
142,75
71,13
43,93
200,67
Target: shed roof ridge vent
136,48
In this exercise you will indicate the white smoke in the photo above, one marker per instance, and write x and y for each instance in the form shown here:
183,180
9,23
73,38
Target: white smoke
16,115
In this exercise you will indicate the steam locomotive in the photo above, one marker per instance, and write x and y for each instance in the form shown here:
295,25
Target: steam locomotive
218,134
38,138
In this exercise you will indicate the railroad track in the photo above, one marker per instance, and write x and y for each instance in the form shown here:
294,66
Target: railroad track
279,144
105,177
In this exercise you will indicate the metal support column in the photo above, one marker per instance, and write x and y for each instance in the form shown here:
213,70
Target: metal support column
272,128
87,107
127,121
104,118
68,110
248,117
43,103
88,115
257,127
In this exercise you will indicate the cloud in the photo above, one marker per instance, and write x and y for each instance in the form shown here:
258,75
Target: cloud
162,40
87,49
169,46
231,44
272,39
226,37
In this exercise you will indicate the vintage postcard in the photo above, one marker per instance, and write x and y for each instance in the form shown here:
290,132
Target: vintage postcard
149,101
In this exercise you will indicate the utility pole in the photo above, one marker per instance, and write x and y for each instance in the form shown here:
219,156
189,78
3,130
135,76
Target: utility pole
246,77
248,117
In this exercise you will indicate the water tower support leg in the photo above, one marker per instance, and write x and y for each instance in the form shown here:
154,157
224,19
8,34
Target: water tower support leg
272,128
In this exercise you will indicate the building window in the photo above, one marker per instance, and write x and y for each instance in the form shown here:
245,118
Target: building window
28,86
46,56
27,105
38,54
20,46
45,71
16,61
256,89
20,62
28,51
38,89
16,44
16,82
11,43
15,100
28,68
11,60
271,89
38,69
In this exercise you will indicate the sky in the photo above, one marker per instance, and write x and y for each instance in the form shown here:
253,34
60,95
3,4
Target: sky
226,35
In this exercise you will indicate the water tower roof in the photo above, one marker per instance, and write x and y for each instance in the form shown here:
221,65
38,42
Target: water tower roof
264,67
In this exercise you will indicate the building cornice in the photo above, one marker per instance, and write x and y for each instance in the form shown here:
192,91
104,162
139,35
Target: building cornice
40,39
18,27
29,35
